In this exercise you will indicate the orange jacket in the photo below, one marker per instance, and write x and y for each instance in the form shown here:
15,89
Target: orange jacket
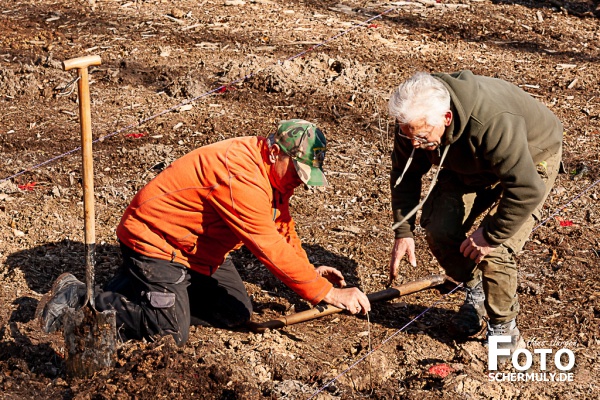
214,200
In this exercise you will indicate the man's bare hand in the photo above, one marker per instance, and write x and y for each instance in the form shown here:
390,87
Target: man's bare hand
402,246
476,247
351,299
332,275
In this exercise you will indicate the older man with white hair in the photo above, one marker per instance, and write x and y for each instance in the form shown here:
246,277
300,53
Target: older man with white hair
497,152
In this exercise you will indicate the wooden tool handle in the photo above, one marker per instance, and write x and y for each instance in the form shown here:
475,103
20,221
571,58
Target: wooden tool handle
328,309
81,62
407,288
85,122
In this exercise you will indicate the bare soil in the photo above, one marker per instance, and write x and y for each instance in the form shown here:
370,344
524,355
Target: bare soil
157,55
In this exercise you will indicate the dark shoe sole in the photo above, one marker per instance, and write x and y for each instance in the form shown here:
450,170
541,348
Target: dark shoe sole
39,311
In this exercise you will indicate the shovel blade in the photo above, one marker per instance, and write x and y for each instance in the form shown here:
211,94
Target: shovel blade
90,341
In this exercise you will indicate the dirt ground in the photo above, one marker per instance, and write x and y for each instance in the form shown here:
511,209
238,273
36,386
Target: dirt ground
273,60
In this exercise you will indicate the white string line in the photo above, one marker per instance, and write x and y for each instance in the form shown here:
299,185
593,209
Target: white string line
587,189
189,101
384,342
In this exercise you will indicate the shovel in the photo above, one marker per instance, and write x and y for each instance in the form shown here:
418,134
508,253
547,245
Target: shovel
90,335
328,309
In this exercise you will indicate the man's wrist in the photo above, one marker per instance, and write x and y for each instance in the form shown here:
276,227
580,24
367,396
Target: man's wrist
489,239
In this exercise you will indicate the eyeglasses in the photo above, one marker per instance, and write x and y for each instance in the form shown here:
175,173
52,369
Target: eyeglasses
416,138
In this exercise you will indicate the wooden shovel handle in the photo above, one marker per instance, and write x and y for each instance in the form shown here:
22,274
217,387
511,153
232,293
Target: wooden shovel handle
327,309
85,122
81,62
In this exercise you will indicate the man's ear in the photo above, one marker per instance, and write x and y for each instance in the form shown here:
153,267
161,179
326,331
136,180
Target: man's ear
448,118
274,151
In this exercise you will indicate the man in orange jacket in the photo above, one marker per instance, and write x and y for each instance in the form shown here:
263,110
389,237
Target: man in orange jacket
178,231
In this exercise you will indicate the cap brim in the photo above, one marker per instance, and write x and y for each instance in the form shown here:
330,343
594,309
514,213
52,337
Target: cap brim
312,176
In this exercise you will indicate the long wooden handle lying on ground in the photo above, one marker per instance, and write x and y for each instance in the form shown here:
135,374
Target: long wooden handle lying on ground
328,309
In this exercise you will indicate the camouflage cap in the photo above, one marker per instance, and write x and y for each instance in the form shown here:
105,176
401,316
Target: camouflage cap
306,145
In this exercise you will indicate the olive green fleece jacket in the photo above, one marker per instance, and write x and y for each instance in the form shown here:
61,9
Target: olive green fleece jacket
498,134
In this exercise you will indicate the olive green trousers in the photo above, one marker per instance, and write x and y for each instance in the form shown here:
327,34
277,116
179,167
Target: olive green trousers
449,215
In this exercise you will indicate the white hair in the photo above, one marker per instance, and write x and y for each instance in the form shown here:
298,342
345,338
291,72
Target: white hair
420,97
